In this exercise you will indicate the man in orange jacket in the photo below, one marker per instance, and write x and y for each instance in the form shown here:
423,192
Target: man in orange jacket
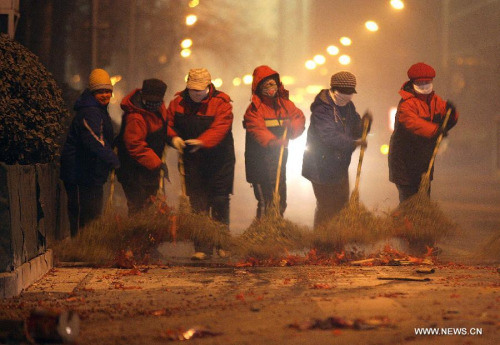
200,119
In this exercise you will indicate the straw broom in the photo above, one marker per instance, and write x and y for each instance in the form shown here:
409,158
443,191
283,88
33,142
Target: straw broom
354,223
91,244
103,241
425,181
197,226
272,235
419,219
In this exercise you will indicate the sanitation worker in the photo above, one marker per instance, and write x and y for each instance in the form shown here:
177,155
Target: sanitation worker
333,135
141,142
419,117
87,156
200,120
265,120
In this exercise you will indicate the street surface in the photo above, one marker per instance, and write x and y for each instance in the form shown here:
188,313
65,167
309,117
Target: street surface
272,305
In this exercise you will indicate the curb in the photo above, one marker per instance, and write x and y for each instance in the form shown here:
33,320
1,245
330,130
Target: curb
13,283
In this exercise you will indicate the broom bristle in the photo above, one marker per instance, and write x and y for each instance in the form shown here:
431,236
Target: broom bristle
421,221
270,236
490,251
200,227
354,224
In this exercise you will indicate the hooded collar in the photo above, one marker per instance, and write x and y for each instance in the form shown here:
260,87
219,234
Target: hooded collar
259,74
87,99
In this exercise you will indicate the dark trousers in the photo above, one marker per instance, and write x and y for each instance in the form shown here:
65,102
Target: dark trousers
138,194
84,205
217,207
407,191
330,199
264,193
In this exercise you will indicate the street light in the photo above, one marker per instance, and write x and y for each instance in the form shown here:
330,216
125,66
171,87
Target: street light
384,149
187,43
287,80
332,50
310,64
345,41
185,52
344,59
371,26
397,4
237,81
247,79
319,59
193,3
217,82
191,19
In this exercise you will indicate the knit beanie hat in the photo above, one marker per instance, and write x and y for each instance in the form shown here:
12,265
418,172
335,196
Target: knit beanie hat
421,71
198,79
343,80
99,80
153,90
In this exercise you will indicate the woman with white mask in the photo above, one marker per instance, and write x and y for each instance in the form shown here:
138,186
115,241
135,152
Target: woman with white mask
333,135
417,126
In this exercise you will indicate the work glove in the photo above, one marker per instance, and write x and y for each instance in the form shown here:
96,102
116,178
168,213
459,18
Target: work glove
164,167
179,144
443,131
196,144
450,105
367,116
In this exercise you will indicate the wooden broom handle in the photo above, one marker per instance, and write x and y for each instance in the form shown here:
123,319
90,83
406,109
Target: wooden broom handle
438,142
280,161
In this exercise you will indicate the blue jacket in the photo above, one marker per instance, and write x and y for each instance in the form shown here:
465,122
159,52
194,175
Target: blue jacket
330,140
87,155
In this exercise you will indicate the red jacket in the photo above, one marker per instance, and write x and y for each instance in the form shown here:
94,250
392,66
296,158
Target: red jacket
265,120
215,112
417,114
261,110
139,123
415,133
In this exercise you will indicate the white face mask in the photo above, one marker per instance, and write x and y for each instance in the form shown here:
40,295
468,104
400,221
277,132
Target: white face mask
198,95
340,99
423,89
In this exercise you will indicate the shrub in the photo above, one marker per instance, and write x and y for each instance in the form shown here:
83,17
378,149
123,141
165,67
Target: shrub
32,109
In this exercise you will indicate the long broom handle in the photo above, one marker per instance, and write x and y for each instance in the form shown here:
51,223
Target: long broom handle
438,142
111,188
361,152
162,173
182,173
109,202
280,161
